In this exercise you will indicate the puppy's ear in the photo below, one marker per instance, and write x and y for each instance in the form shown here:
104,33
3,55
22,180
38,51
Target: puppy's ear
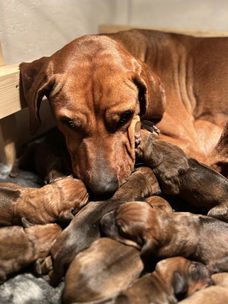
179,283
35,82
152,97
148,248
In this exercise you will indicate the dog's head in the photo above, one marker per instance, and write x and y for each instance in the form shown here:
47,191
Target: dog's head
133,223
96,90
184,276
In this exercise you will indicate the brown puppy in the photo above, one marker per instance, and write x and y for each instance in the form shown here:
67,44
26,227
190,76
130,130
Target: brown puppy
140,184
20,247
217,294
101,271
84,228
97,84
172,278
54,202
166,234
180,175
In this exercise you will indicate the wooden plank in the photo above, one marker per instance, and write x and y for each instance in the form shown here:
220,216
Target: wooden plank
7,143
108,28
1,56
7,140
9,90
14,121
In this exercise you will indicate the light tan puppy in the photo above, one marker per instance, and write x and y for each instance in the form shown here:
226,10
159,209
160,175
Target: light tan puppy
50,203
19,247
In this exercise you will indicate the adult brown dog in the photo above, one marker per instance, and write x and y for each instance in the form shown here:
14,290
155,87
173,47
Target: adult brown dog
173,278
20,246
97,84
166,234
55,202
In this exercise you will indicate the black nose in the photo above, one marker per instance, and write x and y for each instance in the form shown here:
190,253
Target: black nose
104,187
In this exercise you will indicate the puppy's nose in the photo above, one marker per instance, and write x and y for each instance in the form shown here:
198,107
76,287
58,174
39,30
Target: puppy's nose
104,187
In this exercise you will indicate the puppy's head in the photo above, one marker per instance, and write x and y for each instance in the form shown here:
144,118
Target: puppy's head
96,90
43,236
134,224
184,276
73,192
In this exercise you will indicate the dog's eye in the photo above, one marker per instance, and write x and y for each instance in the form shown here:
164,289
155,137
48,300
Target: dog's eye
69,122
125,117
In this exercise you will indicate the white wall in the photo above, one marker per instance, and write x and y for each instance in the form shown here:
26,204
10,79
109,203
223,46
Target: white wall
33,28
181,14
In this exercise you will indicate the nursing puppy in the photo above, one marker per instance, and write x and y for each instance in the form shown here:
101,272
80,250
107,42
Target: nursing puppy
101,271
51,203
172,278
185,177
217,294
142,183
19,247
166,234
84,228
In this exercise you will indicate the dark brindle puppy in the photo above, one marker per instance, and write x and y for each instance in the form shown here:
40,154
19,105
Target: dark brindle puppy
166,234
84,228
172,278
101,271
180,175
20,247
41,205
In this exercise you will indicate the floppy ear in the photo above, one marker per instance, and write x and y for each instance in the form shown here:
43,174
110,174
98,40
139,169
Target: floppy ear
35,82
179,284
148,248
152,97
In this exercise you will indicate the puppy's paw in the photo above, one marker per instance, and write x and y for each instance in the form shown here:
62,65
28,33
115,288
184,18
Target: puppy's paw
43,266
219,212
66,215
149,126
